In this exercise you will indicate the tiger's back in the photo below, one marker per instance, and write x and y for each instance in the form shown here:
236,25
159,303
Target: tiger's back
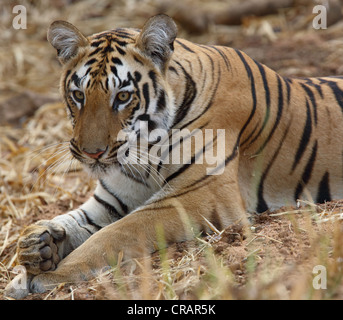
286,131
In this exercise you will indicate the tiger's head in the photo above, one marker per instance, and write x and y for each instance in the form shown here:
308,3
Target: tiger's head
114,82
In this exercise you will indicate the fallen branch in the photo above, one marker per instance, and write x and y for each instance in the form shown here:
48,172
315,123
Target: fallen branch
235,14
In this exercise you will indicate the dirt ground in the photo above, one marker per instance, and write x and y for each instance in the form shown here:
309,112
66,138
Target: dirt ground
274,259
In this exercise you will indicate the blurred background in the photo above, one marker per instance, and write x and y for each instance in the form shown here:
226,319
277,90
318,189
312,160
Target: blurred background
279,33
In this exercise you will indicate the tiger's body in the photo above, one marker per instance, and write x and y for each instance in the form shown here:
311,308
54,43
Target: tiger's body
283,142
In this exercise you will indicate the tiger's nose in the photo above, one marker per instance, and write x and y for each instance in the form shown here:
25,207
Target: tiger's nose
94,155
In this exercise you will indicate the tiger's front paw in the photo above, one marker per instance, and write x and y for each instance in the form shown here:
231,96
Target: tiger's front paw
37,249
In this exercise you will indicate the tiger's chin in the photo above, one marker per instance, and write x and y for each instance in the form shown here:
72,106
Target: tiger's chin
98,170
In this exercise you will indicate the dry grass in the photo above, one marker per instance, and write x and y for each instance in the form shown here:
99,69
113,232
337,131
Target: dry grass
38,180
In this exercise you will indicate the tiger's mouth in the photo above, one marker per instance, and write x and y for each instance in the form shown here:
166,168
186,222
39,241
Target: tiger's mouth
131,149
99,162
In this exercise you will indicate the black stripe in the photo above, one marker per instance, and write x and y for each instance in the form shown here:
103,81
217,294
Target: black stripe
187,189
65,79
267,97
74,145
131,175
208,48
143,117
113,152
200,64
107,49
82,227
261,204
178,172
253,91
309,81
250,134
337,92
127,82
312,99
137,78
87,71
288,86
307,173
121,43
102,86
253,110
161,102
70,109
97,43
90,82
152,76
101,35
324,189
123,35
215,219
75,78
121,32
305,139
214,91
97,50
76,154
184,46
111,210
146,95
188,98
137,107
190,188
91,61
225,58
171,146
186,166
89,220
123,206
173,70
137,60
115,72
120,51
117,61
278,115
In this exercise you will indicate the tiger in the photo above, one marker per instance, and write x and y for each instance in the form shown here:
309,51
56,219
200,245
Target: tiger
282,142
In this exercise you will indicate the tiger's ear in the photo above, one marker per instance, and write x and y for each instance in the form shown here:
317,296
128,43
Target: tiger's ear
156,39
66,39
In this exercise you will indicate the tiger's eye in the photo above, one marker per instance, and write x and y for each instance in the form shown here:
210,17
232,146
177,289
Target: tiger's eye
123,96
78,95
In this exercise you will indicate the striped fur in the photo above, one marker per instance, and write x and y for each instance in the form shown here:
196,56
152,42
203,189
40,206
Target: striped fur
283,142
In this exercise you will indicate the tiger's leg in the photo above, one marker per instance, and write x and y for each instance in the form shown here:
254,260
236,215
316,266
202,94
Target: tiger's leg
136,234
42,245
